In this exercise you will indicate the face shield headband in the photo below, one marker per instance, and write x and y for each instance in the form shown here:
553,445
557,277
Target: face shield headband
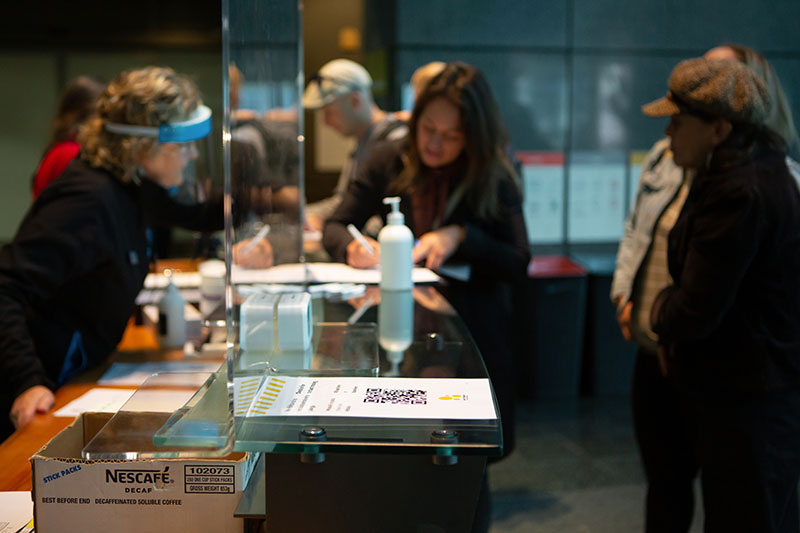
195,127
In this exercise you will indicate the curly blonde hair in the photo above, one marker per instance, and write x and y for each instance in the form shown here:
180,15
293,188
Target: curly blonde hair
149,96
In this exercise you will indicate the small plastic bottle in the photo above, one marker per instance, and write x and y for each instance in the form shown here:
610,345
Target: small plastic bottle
171,318
396,242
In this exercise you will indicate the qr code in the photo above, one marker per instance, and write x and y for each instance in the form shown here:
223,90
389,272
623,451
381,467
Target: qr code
397,396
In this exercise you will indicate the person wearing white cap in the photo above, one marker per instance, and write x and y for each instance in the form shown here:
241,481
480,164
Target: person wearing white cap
341,90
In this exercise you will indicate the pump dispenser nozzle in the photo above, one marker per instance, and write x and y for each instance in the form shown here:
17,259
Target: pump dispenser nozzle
395,216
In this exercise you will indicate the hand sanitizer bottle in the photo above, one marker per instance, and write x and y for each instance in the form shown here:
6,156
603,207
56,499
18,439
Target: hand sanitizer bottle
396,242
171,318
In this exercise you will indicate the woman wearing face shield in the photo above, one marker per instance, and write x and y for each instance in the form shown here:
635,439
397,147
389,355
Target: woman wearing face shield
69,278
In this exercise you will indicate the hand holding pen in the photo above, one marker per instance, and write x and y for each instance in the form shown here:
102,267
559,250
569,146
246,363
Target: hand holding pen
362,252
255,252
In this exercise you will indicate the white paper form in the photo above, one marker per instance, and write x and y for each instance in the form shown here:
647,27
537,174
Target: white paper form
137,373
16,511
320,273
153,296
596,196
543,195
447,398
96,401
112,400
180,279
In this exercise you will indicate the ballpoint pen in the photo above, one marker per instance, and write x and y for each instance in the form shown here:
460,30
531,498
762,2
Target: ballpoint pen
257,239
359,312
360,238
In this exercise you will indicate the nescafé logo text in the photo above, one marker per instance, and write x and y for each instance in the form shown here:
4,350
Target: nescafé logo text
141,477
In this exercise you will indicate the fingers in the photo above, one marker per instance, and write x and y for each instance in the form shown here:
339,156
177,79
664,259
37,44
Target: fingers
624,319
259,256
375,246
314,222
428,250
420,251
21,414
359,257
434,259
437,246
45,402
35,399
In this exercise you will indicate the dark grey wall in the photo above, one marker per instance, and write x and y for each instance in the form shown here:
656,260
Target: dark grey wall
563,69
571,75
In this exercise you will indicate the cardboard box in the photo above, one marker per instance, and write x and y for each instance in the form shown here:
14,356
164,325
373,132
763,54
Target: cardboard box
72,494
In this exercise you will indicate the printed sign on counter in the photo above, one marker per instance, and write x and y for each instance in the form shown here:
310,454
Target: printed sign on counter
448,398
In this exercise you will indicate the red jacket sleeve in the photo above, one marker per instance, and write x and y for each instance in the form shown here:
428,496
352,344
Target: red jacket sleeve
53,164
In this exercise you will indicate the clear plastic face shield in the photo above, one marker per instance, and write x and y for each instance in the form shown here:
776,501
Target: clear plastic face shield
178,165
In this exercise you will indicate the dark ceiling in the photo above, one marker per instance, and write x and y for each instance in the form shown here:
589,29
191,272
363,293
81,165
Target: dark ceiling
110,24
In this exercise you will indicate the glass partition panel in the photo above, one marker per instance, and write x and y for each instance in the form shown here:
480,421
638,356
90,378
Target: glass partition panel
171,415
262,129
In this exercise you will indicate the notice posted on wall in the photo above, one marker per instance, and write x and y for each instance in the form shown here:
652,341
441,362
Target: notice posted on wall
446,398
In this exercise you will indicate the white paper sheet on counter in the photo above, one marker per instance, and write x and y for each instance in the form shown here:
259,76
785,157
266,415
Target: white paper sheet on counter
446,398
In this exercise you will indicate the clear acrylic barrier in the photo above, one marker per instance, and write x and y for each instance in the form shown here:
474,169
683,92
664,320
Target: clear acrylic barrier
335,349
198,400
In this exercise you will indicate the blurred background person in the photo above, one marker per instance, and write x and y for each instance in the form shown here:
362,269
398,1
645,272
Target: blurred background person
264,153
419,79
342,91
641,273
779,119
75,105
727,321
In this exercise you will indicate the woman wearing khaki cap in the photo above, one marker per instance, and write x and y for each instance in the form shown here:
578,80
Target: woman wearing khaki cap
727,325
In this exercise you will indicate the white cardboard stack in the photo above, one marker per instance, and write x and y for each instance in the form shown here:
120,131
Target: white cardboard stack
72,494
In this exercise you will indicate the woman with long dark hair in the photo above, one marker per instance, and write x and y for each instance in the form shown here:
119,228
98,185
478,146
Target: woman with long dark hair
461,200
